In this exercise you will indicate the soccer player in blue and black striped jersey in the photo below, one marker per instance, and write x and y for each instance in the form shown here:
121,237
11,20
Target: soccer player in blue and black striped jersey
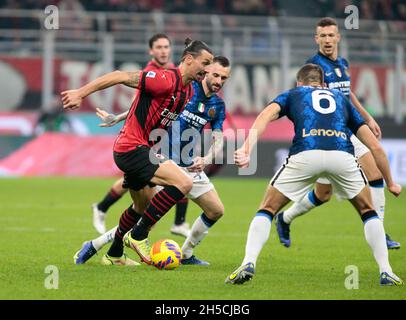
337,76
323,120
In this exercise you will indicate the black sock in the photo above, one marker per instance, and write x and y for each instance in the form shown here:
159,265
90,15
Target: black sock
117,247
207,221
128,220
377,183
159,205
110,198
263,212
369,215
181,208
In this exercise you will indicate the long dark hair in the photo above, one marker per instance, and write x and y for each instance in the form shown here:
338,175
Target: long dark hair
194,48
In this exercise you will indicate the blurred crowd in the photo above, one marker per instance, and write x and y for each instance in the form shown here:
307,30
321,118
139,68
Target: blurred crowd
369,9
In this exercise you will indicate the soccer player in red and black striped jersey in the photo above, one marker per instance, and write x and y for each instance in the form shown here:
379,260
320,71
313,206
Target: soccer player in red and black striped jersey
162,97
160,51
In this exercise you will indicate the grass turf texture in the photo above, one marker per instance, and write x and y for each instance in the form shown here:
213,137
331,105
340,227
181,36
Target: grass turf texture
45,220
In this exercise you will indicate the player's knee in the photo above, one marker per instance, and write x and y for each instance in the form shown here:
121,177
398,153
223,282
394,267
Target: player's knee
184,184
215,213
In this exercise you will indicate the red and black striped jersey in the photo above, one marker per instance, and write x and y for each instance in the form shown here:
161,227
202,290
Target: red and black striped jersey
161,98
153,66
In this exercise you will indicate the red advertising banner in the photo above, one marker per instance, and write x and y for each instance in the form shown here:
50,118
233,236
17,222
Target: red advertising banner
21,82
248,90
57,154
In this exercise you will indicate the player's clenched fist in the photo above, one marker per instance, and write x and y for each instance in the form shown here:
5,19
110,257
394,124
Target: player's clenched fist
71,99
241,158
395,189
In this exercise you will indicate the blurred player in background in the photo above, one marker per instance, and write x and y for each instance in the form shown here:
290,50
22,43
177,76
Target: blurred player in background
160,51
162,96
206,107
337,76
323,121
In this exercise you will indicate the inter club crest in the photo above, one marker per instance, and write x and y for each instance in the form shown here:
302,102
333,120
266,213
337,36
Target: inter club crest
200,107
338,72
212,112
346,71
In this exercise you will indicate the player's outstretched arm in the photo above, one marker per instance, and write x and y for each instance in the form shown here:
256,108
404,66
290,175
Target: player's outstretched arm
367,138
110,119
269,114
72,99
370,121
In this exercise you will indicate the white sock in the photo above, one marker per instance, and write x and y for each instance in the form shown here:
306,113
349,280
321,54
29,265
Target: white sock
258,234
199,230
375,236
378,200
104,239
298,208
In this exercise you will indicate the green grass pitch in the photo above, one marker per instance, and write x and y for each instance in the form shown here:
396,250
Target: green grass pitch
43,221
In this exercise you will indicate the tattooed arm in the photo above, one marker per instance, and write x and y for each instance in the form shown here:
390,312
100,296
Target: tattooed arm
72,99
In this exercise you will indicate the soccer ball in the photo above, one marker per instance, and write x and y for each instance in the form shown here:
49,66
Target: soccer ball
166,254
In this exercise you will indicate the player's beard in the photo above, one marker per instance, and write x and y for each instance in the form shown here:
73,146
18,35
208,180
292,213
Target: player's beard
213,88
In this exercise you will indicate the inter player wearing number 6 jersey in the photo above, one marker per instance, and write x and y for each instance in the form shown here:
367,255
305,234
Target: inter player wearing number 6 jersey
162,97
324,120
337,76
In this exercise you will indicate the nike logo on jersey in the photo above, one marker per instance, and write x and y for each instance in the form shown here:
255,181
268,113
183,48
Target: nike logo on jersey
328,74
174,98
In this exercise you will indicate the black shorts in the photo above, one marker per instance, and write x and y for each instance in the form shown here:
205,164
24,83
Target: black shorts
137,167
